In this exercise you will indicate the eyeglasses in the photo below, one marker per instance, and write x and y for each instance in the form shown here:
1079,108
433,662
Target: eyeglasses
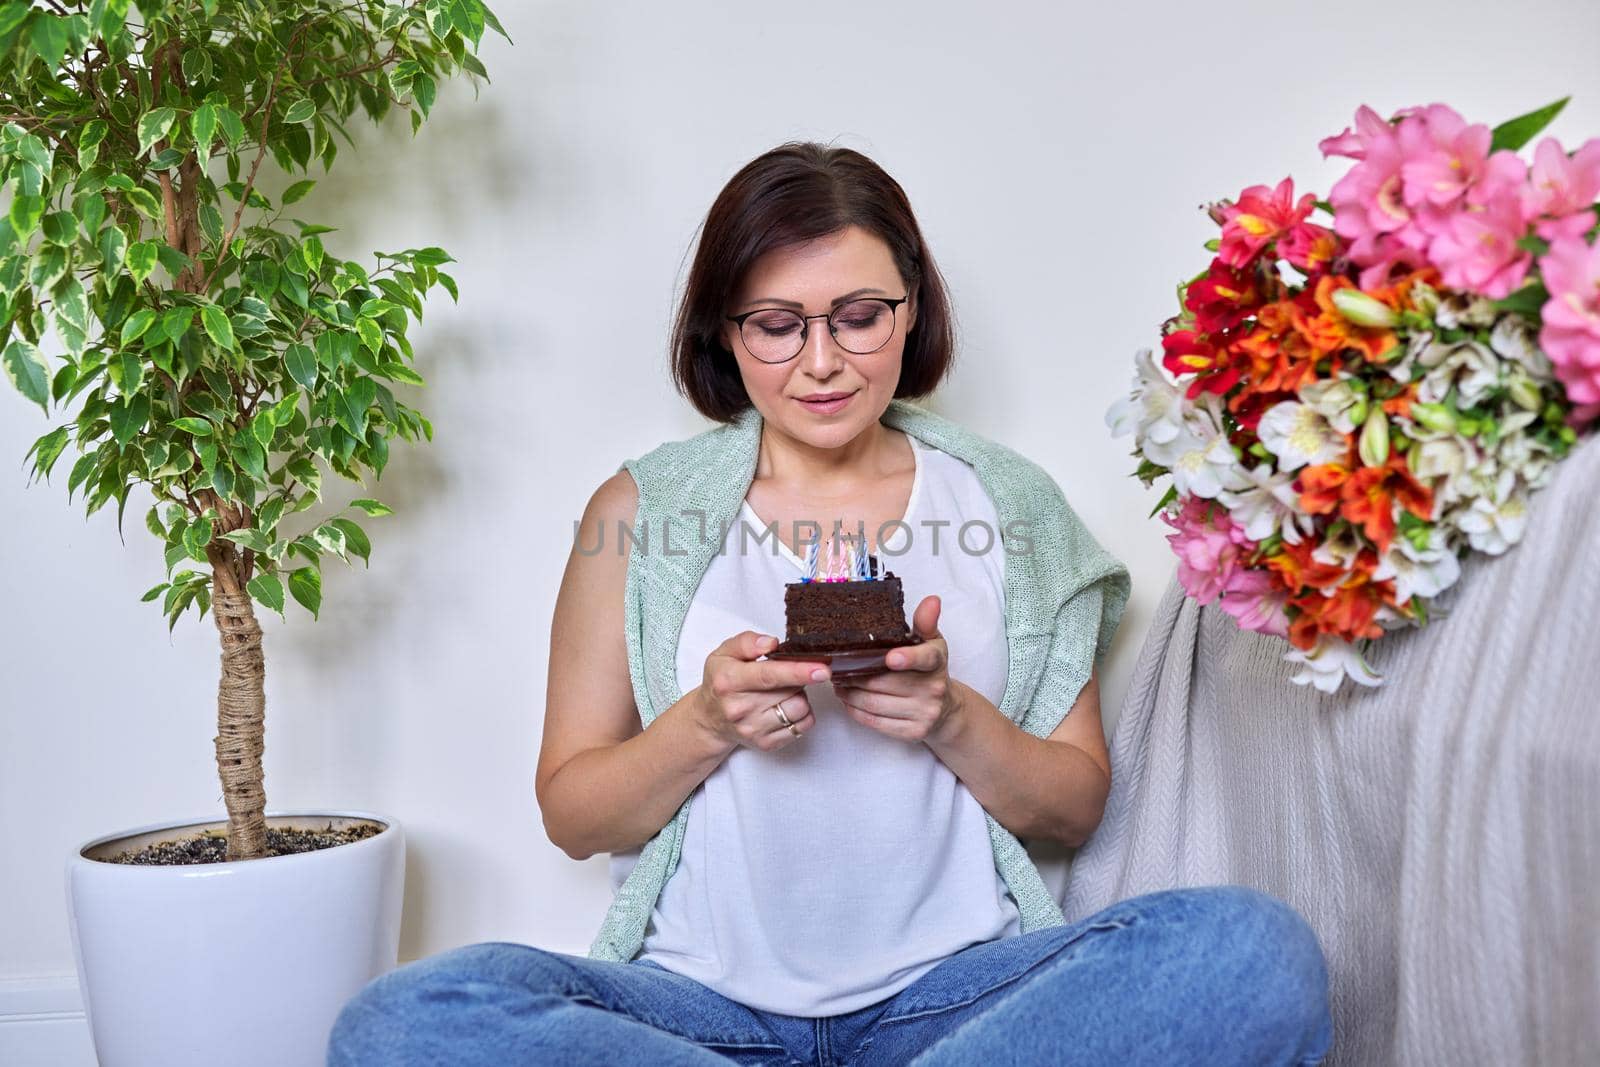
862,326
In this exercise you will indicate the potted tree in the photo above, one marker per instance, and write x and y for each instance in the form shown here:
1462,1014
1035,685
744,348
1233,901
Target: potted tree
216,353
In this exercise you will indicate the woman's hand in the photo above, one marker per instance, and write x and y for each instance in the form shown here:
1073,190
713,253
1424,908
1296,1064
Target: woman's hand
915,699
740,690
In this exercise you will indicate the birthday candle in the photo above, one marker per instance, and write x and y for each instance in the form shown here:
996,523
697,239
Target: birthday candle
811,561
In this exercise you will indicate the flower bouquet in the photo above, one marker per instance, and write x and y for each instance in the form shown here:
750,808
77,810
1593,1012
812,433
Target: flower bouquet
1358,391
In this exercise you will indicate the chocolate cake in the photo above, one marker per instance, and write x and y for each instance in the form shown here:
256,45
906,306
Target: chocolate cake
827,616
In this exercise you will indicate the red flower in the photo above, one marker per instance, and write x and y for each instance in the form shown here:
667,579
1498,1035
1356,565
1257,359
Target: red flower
1310,247
1223,298
1187,352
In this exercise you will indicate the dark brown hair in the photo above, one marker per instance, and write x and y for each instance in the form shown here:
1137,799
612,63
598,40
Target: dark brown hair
795,193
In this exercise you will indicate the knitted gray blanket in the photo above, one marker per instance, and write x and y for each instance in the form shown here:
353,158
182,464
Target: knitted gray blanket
1440,833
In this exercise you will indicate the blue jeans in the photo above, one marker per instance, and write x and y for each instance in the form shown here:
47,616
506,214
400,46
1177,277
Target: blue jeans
1216,975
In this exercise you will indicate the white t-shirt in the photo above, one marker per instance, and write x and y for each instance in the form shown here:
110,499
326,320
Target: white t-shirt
832,873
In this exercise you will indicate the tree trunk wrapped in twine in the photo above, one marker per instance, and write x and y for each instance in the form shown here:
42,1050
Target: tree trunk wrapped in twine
241,713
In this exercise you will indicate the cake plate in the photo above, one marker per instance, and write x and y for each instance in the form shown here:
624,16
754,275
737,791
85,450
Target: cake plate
846,662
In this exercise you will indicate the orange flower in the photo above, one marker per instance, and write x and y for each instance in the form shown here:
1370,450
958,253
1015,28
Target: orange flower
1322,487
1280,359
1330,332
1300,571
1370,494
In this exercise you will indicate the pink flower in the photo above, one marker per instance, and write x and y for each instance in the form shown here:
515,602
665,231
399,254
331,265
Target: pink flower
1477,249
1369,208
1257,602
1561,192
1446,160
1260,216
1428,190
1571,332
1209,546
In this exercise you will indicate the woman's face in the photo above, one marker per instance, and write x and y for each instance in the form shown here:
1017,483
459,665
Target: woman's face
813,279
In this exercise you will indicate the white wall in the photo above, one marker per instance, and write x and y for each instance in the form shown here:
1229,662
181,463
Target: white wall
1056,155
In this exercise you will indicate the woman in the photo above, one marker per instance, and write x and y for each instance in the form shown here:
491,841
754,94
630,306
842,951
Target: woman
819,870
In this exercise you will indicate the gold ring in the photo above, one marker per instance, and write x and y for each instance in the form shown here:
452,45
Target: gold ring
778,707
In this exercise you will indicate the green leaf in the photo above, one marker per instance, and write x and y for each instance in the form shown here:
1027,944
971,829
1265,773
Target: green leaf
331,539
423,90
1528,301
47,450
192,425
153,126
302,364
298,190
196,65
355,539
350,407
113,249
218,328
268,590
129,372
306,585
49,38
1515,133
26,211
251,457
222,481
154,592
232,126
141,260
175,322
128,417
60,227
28,372
49,265
196,537
250,538
262,428
203,126
372,507
371,334
300,111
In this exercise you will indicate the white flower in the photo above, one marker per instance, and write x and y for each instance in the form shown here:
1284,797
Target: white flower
1530,457
1400,369
1200,458
1299,435
1334,400
1497,519
1467,365
1267,506
1443,461
1515,338
1459,309
1424,572
1329,663
1338,549
1153,411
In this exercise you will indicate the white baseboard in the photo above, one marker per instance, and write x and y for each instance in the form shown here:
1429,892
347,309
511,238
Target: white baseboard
42,1023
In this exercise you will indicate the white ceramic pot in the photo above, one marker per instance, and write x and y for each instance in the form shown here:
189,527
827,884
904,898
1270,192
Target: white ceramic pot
244,963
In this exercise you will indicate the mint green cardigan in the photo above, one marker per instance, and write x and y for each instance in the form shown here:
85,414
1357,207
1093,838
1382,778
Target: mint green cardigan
1063,600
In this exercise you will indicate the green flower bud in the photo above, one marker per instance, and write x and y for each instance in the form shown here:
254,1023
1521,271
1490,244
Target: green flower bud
1364,310
1374,447
1358,410
1525,393
1434,417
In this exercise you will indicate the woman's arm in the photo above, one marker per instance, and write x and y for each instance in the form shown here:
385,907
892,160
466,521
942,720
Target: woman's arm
603,784
1054,788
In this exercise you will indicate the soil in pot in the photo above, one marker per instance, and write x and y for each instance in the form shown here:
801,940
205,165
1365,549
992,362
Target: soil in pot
212,847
